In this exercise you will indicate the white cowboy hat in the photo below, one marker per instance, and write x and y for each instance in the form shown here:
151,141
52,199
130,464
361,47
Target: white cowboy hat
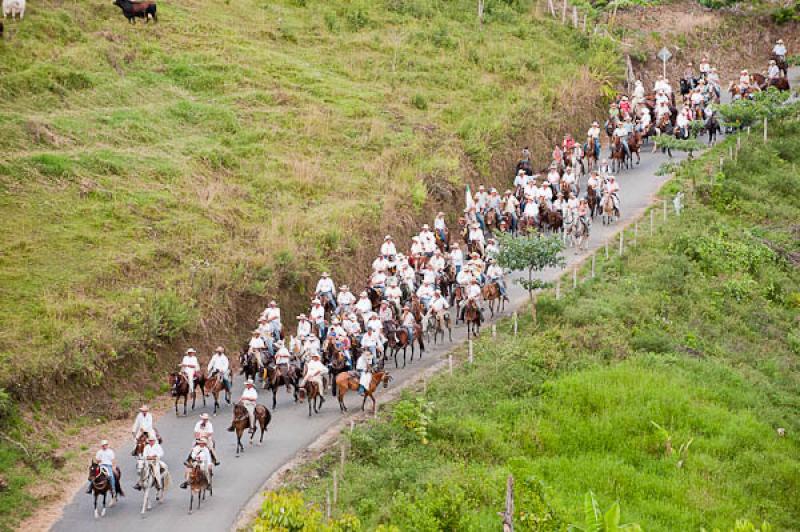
220,349
425,226
144,408
152,437
387,237
272,303
202,441
315,301
103,442
363,294
204,416
191,350
315,355
780,41
324,274
249,382
343,287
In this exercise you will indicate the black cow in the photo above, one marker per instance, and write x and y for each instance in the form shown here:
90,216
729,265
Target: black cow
132,10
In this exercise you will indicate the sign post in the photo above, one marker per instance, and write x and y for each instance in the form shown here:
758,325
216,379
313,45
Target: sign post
664,54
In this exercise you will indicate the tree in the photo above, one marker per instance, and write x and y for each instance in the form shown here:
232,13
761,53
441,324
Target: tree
533,254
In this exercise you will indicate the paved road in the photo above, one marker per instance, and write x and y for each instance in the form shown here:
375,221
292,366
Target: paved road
291,430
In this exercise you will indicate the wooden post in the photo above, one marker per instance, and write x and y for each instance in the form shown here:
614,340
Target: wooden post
765,124
730,152
635,232
721,164
592,266
515,323
494,332
508,514
738,143
564,13
450,362
574,278
352,424
665,210
748,131
558,289
342,456
584,23
651,221
574,17
328,504
335,487
606,249
470,350
621,245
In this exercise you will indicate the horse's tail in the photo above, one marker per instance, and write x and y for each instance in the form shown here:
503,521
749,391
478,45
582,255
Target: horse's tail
166,480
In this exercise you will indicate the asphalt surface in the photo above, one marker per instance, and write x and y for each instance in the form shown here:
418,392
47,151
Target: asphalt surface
291,430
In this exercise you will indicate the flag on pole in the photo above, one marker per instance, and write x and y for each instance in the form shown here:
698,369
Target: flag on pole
469,201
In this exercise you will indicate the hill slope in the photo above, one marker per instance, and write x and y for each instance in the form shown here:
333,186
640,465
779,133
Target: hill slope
158,180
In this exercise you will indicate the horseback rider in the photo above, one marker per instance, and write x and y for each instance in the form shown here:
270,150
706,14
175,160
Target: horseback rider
496,275
364,305
704,67
317,317
326,288
219,364
203,429
248,401
779,50
371,340
385,312
773,72
189,366
107,460
202,456
456,257
364,369
273,316
388,249
593,135
428,241
143,423
621,133
408,322
439,304
314,371
440,226
476,238
612,189
345,299
473,293
152,454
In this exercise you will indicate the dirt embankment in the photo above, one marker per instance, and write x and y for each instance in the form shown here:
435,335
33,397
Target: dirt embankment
732,39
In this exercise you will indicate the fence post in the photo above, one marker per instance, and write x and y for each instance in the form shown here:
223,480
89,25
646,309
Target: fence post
621,245
515,323
574,278
494,332
335,487
765,127
584,23
606,249
651,221
508,514
342,456
424,386
748,131
551,8
470,350
665,210
564,13
730,153
592,266
721,164
328,504
352,424
558,289
450,363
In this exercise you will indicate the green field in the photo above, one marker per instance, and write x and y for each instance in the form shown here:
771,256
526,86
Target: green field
157,181
660,384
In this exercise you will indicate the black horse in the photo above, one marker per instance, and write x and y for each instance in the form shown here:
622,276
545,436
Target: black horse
248,361
276,377
712,127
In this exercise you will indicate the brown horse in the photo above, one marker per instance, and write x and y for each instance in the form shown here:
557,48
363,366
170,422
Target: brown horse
399,339
472,316
310,390
635,145
241,421
441,322
491,293
275,377
346,381
179,387
610,212
490,220
101,485
443,245
141,441
215,384
619,158
593,201
198,485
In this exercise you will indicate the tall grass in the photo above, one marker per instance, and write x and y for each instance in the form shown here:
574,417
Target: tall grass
659,384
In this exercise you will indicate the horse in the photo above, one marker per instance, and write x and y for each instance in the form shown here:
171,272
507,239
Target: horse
458,297
490,220
198,484
782,84
443,244
610,211
782,64
374,298
590,154
214,385
593,201
491,293
579,233
472,316
327,304
241,421
179,387
141,441
635,145
712,127
346,381
439,322
101,485
619,157
399,339
337,363
274,379
147,481
248,362
310,390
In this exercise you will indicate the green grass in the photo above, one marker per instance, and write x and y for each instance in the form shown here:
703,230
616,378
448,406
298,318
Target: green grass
154,179
694,331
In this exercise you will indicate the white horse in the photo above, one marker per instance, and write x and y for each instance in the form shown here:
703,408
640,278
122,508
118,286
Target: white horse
147,480
14,8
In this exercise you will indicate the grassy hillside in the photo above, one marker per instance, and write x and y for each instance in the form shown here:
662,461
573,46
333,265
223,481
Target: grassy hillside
690,340
158,180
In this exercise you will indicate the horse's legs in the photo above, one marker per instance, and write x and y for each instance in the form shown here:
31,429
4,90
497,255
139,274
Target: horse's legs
274,397
342,408
310,400
364,402
374,404
194,398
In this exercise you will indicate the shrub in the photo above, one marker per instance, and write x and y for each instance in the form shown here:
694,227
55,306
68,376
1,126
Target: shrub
419,101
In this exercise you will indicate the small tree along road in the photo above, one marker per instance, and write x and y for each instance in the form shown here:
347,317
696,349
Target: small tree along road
533,253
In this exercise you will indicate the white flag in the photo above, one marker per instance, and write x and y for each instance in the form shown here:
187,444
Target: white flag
470,202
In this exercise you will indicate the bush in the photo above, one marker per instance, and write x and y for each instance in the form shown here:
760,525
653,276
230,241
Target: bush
286,511
419,101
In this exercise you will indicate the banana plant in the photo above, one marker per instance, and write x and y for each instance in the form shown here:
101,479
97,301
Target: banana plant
597,521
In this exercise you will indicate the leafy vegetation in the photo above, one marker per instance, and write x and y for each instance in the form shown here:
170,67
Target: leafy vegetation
659,385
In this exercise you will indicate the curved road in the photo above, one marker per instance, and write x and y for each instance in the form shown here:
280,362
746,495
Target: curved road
291,430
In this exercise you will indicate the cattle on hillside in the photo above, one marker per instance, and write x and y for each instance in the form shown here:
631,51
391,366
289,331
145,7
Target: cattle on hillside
14,8
134,10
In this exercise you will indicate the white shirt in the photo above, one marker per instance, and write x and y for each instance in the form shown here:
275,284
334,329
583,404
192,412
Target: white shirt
282,356
317,313
473,291
370,339
476,235
104,456
218,362
153,450
457,257
388,248
346,298
374,324
257,343
325,284
393,293
779,49
201,454
363,363
439,304
250,394
303,328
364,304
190,362
315,369
426,290
494,272
144,422
378,279
439,223
273,314
207,430
464,277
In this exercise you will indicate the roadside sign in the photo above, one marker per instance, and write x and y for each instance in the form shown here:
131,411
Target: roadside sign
664,54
